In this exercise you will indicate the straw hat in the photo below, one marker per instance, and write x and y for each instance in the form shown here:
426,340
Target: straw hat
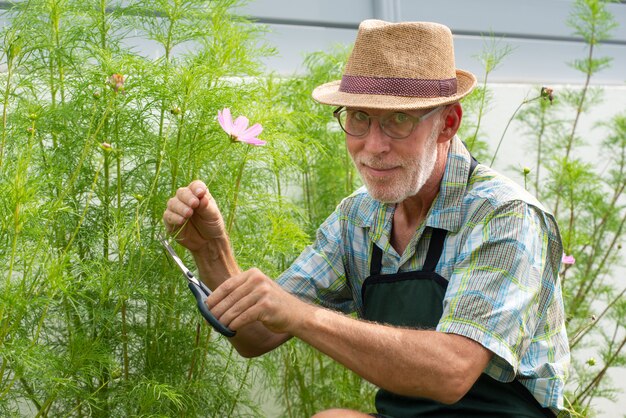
407,65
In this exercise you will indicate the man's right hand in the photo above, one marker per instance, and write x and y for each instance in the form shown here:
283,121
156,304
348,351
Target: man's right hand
195,221
193,218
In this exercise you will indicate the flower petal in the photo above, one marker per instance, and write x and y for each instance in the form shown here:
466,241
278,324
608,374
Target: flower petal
251,132
253,141
239,126
225,120
568,259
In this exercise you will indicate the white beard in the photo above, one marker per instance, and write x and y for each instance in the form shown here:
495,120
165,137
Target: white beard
405,184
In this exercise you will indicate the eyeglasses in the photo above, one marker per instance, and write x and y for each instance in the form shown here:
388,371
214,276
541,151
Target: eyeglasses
397,125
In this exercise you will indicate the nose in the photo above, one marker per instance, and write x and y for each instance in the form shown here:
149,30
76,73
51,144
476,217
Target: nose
376,142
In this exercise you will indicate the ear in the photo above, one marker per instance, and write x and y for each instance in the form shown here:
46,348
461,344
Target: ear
451,117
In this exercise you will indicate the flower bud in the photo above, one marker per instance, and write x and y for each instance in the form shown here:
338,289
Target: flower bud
106,146
175,110
591,362
526,170
116,82
96,95
32,116
547,93
30,130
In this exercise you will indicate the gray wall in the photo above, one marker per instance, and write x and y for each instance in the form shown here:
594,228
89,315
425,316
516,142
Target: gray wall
536,29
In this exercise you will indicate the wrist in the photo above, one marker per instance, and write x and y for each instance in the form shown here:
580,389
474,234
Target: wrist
305,319
215,260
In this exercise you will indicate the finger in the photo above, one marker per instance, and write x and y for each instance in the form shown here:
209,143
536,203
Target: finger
198,188
241,313
179,207
207,208
248,316
226,295
186,195
223,297
172,220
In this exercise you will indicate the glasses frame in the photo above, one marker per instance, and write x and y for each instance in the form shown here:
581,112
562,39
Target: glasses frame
416,120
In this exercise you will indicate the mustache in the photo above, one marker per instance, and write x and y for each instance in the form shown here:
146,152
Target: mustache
376,162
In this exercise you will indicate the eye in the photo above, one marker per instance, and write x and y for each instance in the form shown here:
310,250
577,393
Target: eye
399,118
359,116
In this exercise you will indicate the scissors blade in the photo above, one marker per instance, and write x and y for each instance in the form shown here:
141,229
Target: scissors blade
188,274
175,257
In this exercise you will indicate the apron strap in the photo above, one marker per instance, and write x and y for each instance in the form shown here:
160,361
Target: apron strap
435,249
376,263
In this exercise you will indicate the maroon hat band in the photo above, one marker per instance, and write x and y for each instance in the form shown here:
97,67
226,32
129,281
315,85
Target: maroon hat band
410,87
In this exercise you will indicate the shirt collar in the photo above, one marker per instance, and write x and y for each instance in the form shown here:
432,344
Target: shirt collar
446,211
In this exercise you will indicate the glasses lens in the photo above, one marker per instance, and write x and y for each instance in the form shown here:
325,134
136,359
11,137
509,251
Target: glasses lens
354,122
398,125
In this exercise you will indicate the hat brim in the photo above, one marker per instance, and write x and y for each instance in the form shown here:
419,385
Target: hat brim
329,94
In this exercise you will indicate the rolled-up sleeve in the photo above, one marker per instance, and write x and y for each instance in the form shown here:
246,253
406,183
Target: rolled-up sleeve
503,283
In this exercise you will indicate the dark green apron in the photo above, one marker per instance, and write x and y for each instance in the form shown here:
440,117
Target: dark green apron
415,299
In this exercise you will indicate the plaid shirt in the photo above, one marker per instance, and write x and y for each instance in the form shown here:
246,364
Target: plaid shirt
501,258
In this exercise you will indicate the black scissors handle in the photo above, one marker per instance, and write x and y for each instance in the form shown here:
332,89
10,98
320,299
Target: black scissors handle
200,291
201,295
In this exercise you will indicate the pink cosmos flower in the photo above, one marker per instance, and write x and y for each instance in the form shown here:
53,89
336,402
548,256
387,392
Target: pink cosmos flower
238,130
568,259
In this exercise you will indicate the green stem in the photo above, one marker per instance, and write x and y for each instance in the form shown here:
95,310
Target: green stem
31,393
83,214
240,389
166,75
578,336
306,185
5,105
233,208
194,355
579,110
286,386
596,380
125,341
480,112
179,135
21,176
583,290
542,127
106,224
525,101
597,235
67,189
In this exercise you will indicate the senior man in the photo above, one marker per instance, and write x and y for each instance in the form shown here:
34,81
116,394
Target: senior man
451,268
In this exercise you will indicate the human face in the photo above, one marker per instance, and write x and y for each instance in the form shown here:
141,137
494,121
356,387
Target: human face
394,170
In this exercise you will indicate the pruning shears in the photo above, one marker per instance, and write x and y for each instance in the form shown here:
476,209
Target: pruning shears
200,291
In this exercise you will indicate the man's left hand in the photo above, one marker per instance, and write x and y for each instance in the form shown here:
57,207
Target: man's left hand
252,296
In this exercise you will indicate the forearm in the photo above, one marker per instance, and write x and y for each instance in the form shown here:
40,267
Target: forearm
216,263
408,362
